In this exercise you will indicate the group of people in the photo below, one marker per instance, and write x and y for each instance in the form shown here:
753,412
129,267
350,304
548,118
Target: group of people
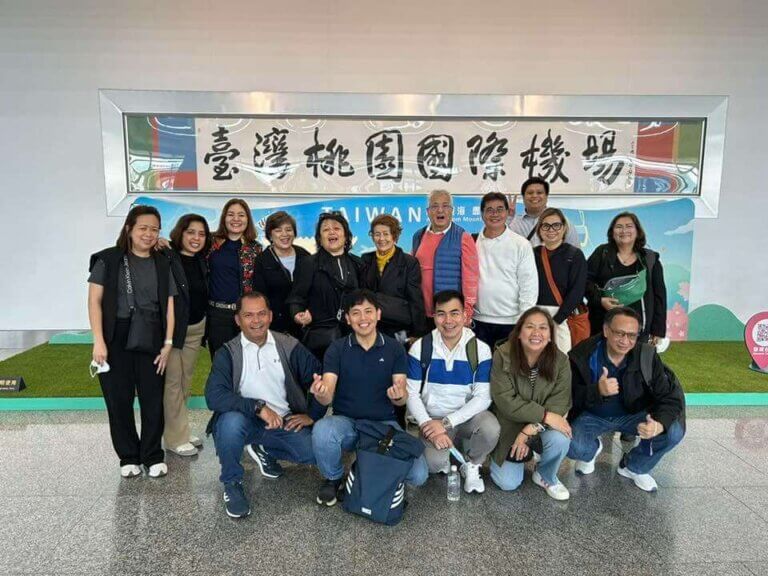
467,336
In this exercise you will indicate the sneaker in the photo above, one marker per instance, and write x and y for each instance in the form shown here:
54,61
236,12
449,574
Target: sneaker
268,466
130,471
556,491
235,501
642,481
473,482
628,442
158,470
328,492
585,468
196,442
186,449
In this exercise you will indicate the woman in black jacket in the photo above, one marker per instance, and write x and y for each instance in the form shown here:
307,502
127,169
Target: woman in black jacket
568,269
625,254
316,302
129,285
190,241
276,268
395,278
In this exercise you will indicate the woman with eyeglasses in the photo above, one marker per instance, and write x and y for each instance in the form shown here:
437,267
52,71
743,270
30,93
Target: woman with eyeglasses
624,272
395,278
531,392
231,263
562,271
277,267
316,302
131,313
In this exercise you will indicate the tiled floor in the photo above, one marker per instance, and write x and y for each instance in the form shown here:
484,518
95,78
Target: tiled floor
65,510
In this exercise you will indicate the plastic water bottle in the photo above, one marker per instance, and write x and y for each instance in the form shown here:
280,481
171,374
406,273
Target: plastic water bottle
454,485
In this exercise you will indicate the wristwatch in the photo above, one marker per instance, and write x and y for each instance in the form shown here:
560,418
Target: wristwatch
446,422
259,405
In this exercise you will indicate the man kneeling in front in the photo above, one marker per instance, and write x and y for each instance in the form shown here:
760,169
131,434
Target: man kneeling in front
258,390
621,384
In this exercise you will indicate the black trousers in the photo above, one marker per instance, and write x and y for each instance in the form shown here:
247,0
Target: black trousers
221,328
131,373
492,334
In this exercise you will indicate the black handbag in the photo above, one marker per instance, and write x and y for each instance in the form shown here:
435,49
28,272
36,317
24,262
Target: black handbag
145,331
394,310
534,445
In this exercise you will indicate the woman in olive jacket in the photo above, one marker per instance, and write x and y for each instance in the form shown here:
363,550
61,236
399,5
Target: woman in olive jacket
531,392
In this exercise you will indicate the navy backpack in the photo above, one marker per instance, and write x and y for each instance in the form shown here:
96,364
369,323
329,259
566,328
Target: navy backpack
375,485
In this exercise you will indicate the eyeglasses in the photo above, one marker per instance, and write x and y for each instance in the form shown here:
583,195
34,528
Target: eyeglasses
440,207
620,334
492,211
557,226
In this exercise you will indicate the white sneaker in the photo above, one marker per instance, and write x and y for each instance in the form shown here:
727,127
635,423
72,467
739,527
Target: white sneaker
556,491
158,470
130,471
195,441
472,480
642,481
186,449
585,468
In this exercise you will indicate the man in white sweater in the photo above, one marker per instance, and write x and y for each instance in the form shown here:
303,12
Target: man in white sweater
449,392
509,283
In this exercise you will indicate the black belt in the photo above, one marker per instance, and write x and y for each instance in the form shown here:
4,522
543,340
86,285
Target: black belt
222,305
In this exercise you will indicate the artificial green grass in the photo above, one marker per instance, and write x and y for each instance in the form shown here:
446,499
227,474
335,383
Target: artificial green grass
62,370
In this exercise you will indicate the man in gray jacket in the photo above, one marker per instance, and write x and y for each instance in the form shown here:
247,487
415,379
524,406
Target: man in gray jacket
258,389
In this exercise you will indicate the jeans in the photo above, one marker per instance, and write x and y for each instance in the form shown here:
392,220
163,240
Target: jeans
234,430
333,435
555,444
643,457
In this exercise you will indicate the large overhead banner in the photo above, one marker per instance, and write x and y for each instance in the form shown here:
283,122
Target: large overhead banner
330,156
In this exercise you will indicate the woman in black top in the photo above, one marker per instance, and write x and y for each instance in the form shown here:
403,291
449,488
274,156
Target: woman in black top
190,240
231,262
132,280
569,273
625,254
316,302
395,278
276,268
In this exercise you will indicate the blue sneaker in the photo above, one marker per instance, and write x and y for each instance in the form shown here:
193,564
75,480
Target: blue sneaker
235,501
268,466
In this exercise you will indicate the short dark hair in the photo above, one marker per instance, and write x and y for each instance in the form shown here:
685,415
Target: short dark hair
491,196
546,214
251,296
124,239
357,297
639,241
278,219
620,311
181,226
535,180
390,222
337,217
446,296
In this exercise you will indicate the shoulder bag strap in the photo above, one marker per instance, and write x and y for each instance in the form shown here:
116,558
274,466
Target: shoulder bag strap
128,284
550,279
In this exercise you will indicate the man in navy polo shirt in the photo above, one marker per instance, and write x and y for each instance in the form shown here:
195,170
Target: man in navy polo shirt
364,376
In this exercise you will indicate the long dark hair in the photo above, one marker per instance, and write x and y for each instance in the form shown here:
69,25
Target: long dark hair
336,216
250,230
548,356
181,226
124,239
639,241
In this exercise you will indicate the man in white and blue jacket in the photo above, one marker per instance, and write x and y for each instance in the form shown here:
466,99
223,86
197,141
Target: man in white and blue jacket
449,392
258,389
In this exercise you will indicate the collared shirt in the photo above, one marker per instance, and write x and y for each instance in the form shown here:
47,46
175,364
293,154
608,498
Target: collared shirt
524,223
263,375
364,376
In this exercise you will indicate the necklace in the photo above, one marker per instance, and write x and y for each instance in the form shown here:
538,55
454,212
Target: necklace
632,258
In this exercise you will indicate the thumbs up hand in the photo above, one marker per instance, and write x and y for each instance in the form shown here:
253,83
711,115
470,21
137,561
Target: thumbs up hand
650,428
607,386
